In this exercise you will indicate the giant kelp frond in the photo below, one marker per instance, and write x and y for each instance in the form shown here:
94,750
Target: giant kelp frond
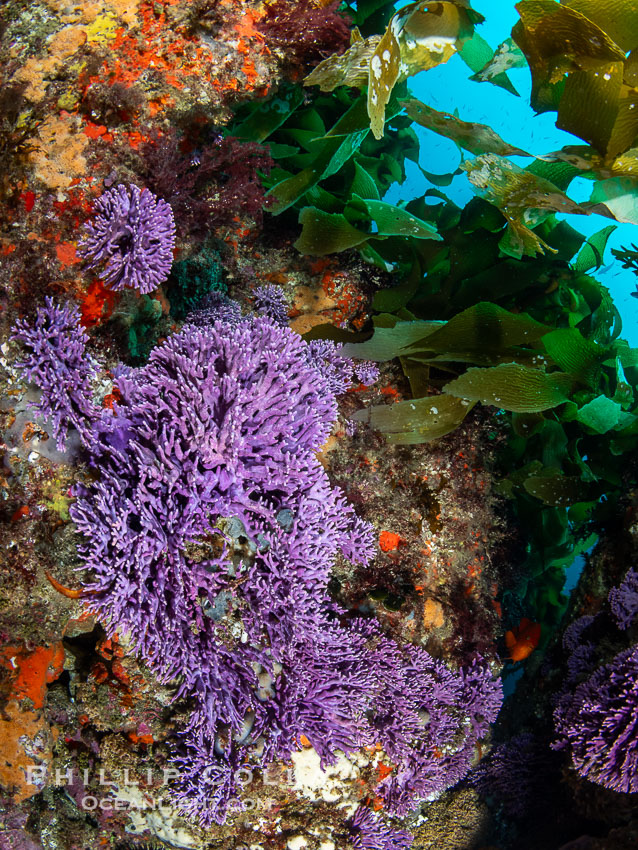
419,36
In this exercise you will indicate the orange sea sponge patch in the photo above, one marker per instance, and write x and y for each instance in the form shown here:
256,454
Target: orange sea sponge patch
389,541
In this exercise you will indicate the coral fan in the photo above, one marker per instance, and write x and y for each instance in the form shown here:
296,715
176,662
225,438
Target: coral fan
210,531
368,832
54,358
598,722
133,233
624,600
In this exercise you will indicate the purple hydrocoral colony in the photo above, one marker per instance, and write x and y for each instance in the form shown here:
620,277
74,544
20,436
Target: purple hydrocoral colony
598,722
624,600
367,372
516,773
133,233
210,532
270,301
54,358
368,832
215,307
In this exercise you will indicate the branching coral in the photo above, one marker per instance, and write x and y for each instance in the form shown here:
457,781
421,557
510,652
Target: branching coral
210,531
270,301
624,600
368,832
516,773
54,358
215,307
598,723
133,234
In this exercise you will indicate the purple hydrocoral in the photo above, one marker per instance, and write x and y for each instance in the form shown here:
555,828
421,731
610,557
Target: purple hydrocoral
215,307
224,421
133,233
434,754
598,723
336,369
270,301
368,832
367,372
516,773
624,600
573,633
210,531
54,358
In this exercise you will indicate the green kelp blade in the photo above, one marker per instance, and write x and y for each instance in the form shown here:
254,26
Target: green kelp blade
559,168
554,488
356,118
268,117
419,36
416,421
599,108
496,64
483,328
620,196
575,354
475,138
603,415
334,153
394,221
510,386
479,57
383,74
363,184
326,233
386,343
555,39
618,18
334,149
346,69
527,424
522,197
592,253
291,189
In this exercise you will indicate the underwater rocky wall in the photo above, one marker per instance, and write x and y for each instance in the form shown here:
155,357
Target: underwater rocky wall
292,475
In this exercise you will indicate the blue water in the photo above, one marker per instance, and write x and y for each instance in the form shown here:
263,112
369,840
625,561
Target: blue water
447,88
